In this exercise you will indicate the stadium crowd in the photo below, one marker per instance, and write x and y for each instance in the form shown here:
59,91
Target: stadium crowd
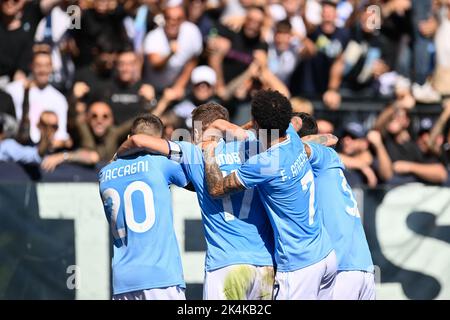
74,74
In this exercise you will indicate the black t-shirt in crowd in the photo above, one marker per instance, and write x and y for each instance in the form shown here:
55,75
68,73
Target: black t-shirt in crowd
97,82
15,51
125,101
371,48
32,15
408,151
240,55
314,73
16,45
94,26
7,104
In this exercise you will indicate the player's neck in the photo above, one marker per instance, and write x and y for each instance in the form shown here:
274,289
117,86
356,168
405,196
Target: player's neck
274,142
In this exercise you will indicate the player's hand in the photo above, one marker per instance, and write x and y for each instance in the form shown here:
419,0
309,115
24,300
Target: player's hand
50,162
375,138
402,167
147,92
332,99
80,89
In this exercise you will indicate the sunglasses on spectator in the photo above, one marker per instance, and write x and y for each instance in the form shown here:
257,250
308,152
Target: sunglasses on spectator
103,116
49,125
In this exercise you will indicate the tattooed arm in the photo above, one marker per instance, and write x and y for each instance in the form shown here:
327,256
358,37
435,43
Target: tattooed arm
218,185
327,140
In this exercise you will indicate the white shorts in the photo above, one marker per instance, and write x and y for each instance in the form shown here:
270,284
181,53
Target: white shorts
354,285
170,293
239,282
315,282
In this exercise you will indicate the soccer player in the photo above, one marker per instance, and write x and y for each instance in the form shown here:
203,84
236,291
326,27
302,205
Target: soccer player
137,203
239,238
306,262
341,217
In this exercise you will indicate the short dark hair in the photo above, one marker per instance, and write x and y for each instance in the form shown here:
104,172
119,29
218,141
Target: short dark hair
208,113
272,110
148,124
283,26
309,124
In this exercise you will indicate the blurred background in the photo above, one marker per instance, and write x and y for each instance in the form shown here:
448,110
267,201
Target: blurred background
74,74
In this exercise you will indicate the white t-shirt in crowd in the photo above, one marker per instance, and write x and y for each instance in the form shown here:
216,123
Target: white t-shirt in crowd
190,44
47,99
442,41
282,64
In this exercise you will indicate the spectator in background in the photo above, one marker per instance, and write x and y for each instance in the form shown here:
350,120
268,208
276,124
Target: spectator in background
355,154
407,158
104,19
203,81
293,11
232,53
92,81
283,54
424,27
395,30
53,30
364,56
441,78
325,126
439,139
16,48
172,52
128,95
12,151
197,13
98,133
142,18
300,105
18,22
36,96
321,72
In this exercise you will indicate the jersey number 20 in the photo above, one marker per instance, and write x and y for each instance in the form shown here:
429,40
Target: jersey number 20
133,225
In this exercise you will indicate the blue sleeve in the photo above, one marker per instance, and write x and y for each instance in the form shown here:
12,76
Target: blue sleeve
318,157
19,153
191,156
291,131
251,173
175,174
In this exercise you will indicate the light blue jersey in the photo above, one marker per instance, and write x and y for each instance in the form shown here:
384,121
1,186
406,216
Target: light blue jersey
236,227
138,206
285,181
339,210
